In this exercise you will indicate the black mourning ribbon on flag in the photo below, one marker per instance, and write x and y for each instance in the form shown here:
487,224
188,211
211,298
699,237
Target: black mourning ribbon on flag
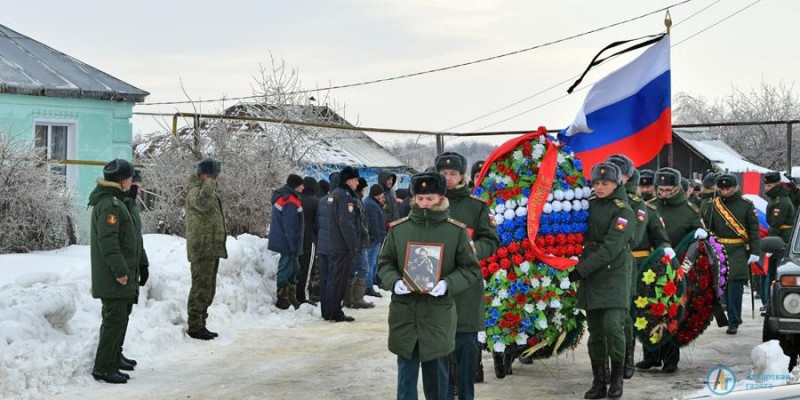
596,61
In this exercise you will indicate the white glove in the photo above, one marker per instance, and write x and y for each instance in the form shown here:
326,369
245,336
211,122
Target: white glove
400,287
669,252
753,259
700,233
439,289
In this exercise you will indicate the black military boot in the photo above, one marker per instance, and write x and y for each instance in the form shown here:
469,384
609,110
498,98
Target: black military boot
629,367
598,389
123,365
201,334
348,294
111,377
615,385
479,373
283,299
128,360
293,297
647,364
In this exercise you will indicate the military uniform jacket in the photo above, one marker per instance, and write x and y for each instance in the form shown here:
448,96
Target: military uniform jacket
640,210
780,213
606,259
344,222
474,213
114,246
133,209
653,236
419,318
744,211
205,223
679,215
705,200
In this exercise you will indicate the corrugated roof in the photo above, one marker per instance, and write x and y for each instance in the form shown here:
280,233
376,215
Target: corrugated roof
716,151
32,68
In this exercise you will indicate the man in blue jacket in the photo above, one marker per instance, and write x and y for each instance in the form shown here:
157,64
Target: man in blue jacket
286,238
376,221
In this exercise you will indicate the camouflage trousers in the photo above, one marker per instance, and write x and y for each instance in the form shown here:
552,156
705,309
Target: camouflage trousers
201,295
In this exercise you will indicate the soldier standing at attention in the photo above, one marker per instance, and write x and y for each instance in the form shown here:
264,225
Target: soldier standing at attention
681,217
205,243
780,218
733,219
604,264
115,259
422,326
646,188
474,213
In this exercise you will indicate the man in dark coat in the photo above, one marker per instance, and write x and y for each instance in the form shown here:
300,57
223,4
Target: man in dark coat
376,221
357,284
422,325
309,200
324,249
206,234
116,258
388,179
604,271
780,218
470,304
286,237
404,205
344,228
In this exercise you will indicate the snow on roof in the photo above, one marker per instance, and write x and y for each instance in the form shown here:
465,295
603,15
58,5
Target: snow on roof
31,68
716,151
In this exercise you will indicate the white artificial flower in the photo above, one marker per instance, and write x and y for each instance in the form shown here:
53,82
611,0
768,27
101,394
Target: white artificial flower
561,158
555,304
498,219
501,273
528,308
521,211
482,336
496,302
587,192
508,180
535,283
524,267
509,214
585,204
511,204
522,338
558,194
546,281
556,206
539,148
541,305
577,205
500,208
542,323
569,194
558,318
517,155
523,201
566,206
499,347
564,284
547,209
502,293
549,197
578,193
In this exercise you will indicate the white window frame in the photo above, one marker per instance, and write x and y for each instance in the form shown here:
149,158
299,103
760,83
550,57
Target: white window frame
72,143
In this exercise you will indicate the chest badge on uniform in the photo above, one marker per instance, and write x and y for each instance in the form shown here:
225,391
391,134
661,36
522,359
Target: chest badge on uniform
641,215
621,224
112,219
350,207
776,212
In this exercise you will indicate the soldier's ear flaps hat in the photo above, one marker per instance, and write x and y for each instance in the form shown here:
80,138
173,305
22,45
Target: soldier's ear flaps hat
476,167
137,175
646,177
710,180
684,184
772,177
725,181
348,173
428,183
667,177
623,162
117,170
450,160
606,172
209,166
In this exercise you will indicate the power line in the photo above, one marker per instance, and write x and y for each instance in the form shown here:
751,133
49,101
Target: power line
430,71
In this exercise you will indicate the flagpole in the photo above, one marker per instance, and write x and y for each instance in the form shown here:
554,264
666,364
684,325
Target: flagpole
668,24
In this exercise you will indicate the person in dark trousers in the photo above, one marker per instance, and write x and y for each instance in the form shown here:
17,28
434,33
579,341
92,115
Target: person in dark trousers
357,284
604,271
422,326
116,258
388,179
323,249
373,205
309,200
206,234
470,304
314,286
286,237
344,230
125,363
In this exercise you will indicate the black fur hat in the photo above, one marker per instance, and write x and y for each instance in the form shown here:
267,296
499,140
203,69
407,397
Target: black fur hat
667,176
428,183
606,172
117,170
726,180
647,177
309,183
623,162
450,160
348,173
209,166
137,175
710,180
772,177
684,184
294,181
476,168
362,183
635,178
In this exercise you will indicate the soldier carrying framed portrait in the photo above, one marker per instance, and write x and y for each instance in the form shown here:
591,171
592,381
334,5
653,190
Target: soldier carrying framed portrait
423,266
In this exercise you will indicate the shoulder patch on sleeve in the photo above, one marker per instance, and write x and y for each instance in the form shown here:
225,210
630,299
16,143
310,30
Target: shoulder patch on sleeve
456,222
479,199
111,219
621,224
693,206
398,221
747,200
619,203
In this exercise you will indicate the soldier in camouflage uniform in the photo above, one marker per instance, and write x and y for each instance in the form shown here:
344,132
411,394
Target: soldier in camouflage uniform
205,243
474,213
733,219
647,190
605,262
780,218
680,217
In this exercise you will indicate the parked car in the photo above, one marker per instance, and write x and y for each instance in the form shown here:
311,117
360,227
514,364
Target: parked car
782,313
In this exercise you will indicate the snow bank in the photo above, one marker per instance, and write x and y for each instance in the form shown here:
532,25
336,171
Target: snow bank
49,322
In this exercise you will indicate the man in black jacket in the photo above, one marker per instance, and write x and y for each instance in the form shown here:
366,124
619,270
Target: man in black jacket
344,230
309,200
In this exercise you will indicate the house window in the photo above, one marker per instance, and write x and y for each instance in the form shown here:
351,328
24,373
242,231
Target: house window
56,141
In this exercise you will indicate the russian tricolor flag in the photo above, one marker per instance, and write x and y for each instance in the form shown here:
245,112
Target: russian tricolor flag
628,111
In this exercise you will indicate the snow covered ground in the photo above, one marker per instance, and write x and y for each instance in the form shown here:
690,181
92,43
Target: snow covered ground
49,326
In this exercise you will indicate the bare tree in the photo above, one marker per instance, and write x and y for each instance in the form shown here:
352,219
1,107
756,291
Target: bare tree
763,144
35,202
419,155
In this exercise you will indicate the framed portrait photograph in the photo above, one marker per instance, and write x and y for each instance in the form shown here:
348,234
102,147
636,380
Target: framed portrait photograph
423,267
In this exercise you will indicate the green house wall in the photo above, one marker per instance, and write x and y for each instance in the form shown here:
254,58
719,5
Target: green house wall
102,131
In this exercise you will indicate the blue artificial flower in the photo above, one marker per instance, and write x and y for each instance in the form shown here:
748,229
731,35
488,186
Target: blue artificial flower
500,201
576,163
544,229
497,338
506,238
495,314
526,323
526,192
545,219
478,191
490,322
529,173
520,234
552,271
501,185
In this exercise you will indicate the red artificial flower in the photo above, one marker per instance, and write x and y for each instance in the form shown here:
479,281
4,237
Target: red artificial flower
579,238
658,309
502,252
561,239
673,310
513,247
680,273
493,267
505,264
517,259
673,326
539,242
530,255
520,298
702,282
512,276
549,240
492,258
670,288
532,341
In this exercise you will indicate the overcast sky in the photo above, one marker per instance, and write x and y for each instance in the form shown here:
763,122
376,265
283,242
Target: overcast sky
215,49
